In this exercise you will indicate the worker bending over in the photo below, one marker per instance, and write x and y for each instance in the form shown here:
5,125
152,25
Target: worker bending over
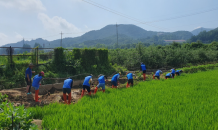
130,79
68,84
101,83
86,85
173,71
157,74
36,83
178,72
143,69
28,76
169,75
115,80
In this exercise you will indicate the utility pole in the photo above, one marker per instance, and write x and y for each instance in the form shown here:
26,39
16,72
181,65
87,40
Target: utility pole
23,41
61,38
117,33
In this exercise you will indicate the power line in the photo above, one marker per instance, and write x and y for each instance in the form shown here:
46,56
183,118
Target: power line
55,35
129,17
136,18
43,37
182,16
117,13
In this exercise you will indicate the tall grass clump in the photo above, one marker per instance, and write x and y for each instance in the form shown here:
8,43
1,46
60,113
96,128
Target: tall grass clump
194,69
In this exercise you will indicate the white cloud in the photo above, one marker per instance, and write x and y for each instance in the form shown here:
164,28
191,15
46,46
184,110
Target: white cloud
3,36
24,5
86,26
5,39
57,24
18,36
198,27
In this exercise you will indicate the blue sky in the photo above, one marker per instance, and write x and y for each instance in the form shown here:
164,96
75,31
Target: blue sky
32,19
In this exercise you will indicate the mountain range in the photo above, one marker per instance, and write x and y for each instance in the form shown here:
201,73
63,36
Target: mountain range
128,34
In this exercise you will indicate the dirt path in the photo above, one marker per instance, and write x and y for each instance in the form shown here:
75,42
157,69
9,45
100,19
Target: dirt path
53,93
19,96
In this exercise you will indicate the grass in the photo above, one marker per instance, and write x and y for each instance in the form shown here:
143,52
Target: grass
189,101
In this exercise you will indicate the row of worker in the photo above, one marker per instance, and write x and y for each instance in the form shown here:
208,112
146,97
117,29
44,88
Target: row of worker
68,83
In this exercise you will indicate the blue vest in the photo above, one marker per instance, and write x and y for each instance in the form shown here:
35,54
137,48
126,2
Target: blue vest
169,74
129,76
36,81
101,79
157,73
28,71
178,70
114,78
173,71
86,81
143,67
67,83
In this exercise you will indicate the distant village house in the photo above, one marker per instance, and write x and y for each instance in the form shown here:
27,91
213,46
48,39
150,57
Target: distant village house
171,41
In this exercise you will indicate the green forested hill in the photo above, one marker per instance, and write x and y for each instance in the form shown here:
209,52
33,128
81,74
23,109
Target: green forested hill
128,34
206,37
198,30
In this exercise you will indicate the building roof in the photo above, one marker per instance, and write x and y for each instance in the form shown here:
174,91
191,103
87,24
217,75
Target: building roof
174,40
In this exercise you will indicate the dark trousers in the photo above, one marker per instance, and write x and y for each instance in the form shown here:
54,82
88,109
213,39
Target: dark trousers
130,81
158,77
29,83
86,88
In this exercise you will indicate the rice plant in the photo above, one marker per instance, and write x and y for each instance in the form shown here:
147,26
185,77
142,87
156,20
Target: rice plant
188,101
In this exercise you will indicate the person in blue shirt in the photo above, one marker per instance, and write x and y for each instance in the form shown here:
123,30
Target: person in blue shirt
86,85
101,83
130,79
68,84
173,71
36,83
178,72
157,74
143,69
115,80
169,75
28,76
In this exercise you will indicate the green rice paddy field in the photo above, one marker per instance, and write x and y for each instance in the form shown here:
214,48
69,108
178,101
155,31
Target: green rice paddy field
188,102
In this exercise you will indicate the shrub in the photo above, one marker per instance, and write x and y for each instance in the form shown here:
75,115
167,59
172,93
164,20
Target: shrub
2,97
201,68
49,74
186,70
210,66
21,117
193,69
